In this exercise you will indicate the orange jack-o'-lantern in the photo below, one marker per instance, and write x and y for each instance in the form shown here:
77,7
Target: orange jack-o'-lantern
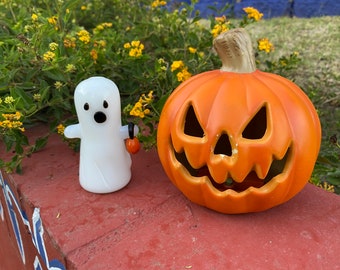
237,139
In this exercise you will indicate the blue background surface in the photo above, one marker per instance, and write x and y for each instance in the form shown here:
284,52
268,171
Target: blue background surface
273,8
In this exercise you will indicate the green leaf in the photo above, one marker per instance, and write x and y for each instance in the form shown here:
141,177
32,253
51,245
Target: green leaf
40,143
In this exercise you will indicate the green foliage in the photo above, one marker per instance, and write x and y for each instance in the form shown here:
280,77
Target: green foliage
48,47
327,168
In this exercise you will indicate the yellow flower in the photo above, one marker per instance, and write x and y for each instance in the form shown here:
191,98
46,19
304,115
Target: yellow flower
127,45
219,29
84,36
135,48
12,116
107,25
158,3
201,54
37,97
147,99
253,13
60,129
58,84
70,42
100,43
53,46
34,17
48,56
94,55
102,26
192,50
9,100
53,20
265,45
83,7
140,108
11,121
137,110
183,75
177,65
182,70
222,25
326,186
135,43
99,27
70,68
135,53
221,20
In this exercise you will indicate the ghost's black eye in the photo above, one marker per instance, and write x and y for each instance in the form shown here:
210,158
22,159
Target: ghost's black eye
86,106
105,104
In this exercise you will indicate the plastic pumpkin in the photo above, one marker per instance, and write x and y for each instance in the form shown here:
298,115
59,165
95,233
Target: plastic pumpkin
132,143
237,139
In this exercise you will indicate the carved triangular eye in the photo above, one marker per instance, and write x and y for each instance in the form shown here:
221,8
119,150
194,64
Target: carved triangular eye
192,126
257,126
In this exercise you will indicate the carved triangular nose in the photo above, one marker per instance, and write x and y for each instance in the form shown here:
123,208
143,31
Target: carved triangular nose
223,146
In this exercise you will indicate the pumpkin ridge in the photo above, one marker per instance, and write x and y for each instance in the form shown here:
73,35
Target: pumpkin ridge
258,77
299,94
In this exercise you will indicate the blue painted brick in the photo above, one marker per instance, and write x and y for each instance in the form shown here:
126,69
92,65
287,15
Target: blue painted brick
269,8
315,8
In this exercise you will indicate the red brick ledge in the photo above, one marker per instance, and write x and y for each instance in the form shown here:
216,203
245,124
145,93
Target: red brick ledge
150,225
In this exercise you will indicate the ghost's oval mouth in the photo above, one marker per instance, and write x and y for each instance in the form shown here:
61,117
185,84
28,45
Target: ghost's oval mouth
99,117
251,180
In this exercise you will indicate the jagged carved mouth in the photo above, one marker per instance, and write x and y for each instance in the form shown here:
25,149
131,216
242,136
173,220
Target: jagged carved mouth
251,180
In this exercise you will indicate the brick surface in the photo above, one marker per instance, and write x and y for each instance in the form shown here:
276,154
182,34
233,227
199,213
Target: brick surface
150,225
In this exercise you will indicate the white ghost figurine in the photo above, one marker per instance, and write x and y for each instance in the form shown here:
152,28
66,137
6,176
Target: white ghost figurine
105,164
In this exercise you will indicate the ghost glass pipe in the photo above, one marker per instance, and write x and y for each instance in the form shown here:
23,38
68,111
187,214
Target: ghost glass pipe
105,164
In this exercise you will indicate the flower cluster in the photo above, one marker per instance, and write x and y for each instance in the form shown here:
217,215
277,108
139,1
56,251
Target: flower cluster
135,48
8,100
265,45
158,3
326,186
253,13
84,36
34,17
52,20
192,50
101,27
69,43
221,25
11,121
48,56
140,108
181,70
60,129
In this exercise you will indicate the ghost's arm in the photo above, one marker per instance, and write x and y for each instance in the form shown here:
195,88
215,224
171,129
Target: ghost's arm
72,131
124,131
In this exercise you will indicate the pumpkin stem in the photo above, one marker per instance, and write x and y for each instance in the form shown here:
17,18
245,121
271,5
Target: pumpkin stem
235,51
